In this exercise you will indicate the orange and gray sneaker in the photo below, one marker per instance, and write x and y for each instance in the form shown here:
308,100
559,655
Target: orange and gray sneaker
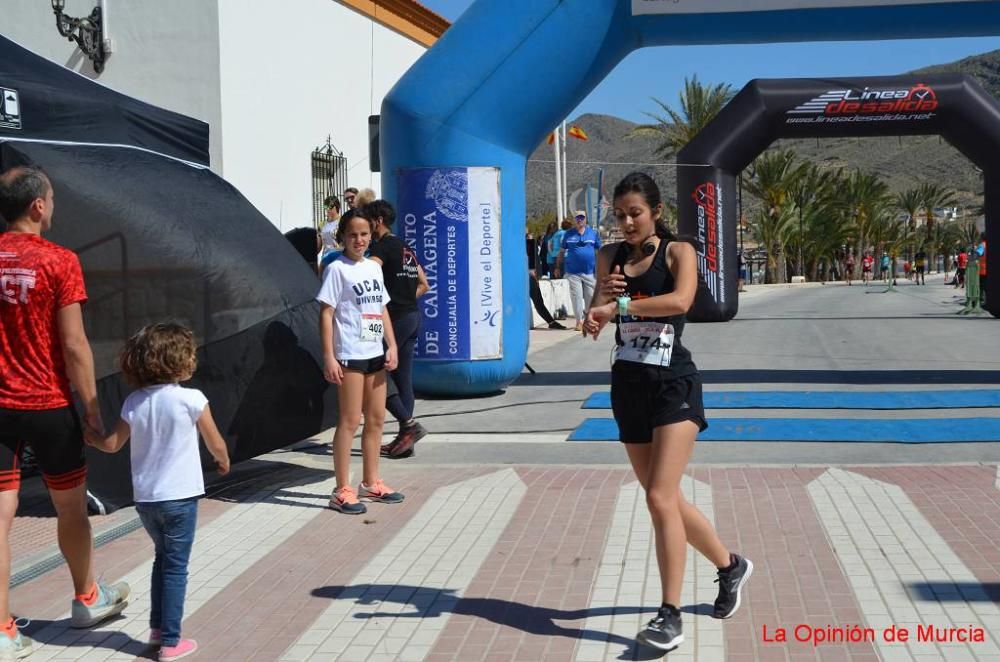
13,644
103,602
379,491
345,500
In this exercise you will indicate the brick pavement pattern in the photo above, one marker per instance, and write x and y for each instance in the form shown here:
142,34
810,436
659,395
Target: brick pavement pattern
556,563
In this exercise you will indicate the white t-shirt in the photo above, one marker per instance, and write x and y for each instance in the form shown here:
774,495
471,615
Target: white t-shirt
329,235
166,464
357,293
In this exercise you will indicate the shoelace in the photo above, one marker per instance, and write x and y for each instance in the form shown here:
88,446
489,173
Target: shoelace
725,580
346,494
379,487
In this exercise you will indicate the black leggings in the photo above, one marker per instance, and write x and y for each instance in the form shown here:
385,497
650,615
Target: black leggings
405,328
536,299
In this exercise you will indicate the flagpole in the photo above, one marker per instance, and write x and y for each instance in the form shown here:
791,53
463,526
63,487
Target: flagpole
565,172
560,215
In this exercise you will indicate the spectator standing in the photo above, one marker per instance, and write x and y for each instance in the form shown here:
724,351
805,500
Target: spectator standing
328,232
358,347
555,247
544,263
981,252
43,350
405,282
963,262
919,266
579,258
350,197
534,290
163,420
365,197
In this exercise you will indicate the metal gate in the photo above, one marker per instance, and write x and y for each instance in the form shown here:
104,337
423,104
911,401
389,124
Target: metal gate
329,177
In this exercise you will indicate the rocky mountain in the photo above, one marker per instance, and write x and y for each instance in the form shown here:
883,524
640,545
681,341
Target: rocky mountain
902,161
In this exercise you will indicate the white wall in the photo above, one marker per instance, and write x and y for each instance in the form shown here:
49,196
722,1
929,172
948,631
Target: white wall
166,53
291,78
271,79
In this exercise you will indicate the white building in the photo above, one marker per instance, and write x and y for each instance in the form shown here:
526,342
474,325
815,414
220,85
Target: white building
273,80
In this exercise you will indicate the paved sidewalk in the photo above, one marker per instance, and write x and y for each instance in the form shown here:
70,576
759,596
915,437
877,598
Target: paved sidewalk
515,545
556,563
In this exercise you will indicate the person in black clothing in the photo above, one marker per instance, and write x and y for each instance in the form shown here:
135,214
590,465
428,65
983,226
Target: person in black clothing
648,283
405,282
920,260
535,290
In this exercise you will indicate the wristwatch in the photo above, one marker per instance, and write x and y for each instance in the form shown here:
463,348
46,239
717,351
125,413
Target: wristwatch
623,305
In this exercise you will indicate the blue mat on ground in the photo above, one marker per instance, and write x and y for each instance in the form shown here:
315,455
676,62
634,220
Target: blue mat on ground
833,399
861,430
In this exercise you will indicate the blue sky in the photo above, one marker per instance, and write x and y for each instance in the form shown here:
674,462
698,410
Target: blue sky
738,64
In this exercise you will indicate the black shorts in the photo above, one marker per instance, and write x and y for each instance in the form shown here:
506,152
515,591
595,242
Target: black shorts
366,366
55,437
641,406
920,269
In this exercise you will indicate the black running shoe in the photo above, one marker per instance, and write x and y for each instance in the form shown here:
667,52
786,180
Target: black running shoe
731,585
663,632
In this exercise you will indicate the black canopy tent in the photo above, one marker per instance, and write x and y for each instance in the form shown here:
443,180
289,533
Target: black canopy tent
162,237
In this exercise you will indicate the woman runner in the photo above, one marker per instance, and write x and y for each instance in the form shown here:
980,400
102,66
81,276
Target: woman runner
648,283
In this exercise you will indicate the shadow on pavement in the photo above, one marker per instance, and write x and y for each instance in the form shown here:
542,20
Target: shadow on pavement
955,591
55,632
260,481
433,602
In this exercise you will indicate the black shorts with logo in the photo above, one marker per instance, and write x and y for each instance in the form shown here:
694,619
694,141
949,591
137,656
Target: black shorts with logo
366,366
55,438
641,406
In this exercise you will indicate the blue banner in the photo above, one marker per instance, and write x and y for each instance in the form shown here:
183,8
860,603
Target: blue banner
450,217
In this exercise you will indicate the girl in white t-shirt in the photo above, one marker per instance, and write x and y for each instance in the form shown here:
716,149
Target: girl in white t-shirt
358,347
163,420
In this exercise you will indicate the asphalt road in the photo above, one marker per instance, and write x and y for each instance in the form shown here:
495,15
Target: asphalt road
812,337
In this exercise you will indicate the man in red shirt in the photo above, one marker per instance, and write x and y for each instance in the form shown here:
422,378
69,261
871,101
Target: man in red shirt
43,350
963,262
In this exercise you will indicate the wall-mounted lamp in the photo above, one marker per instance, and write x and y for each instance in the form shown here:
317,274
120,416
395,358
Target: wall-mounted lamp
86,32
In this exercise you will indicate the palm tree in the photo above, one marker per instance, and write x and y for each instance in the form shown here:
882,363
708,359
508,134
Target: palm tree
932,196
771,179
699,104
864,200
827,229
771,230
809,189
909,201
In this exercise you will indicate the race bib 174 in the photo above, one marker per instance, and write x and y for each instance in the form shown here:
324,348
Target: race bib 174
645,342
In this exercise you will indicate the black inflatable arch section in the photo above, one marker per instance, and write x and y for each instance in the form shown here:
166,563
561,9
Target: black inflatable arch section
953,106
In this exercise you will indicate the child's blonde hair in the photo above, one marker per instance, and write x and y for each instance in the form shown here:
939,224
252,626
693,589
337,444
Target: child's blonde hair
161,353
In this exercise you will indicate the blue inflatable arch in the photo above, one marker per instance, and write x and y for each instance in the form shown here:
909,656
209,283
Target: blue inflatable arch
457,129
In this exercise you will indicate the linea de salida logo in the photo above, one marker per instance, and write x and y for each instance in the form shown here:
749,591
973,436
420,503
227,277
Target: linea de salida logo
920,98
706,198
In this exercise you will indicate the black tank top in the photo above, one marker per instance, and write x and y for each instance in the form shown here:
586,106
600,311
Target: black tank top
656,280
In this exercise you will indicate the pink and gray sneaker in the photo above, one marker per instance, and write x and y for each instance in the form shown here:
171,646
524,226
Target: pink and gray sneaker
183,648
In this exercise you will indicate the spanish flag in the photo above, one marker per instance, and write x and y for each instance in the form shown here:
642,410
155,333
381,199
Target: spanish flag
577,132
